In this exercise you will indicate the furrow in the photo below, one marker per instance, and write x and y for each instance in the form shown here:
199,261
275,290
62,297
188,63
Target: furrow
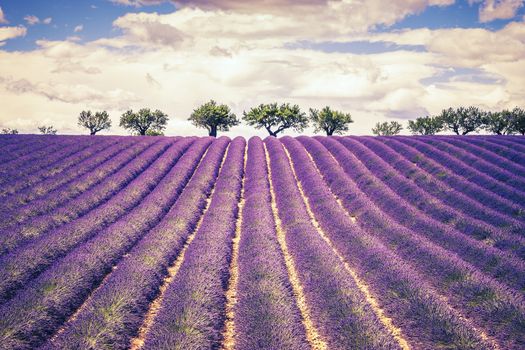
228,333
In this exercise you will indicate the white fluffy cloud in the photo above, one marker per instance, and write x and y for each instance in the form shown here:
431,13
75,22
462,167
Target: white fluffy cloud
177,61
78,28
490,10
7,33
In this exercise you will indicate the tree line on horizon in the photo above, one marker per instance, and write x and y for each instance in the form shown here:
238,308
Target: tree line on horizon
275,118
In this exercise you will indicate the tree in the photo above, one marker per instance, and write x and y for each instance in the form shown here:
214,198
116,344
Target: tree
330,121
9,131
387,129
276,119
499,123
47,130
213,117
462,120
425,125
144,122
518,120
94,122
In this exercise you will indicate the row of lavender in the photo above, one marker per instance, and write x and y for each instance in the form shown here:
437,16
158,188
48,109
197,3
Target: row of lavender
388,215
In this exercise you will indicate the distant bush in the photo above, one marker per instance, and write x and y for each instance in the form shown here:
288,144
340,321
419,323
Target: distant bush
387,128
47,130
9,131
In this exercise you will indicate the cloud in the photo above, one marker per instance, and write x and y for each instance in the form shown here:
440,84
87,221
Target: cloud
3,20
138,3
491,10
7,33
149,30
176,61
78,28
31,20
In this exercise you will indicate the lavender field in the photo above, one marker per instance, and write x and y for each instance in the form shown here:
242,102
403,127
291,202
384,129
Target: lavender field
291,243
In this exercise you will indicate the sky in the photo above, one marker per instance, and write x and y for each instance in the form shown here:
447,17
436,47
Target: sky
377,60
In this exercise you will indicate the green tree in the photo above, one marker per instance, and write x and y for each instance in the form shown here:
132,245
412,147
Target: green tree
330,121
500,123
462,120
94,122
518,120
47,130
387,128
276,119
9,131
425,125
213,117
144,122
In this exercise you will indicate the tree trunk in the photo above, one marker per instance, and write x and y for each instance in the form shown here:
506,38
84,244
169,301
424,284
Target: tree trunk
93,132
213,131
273,133
329,132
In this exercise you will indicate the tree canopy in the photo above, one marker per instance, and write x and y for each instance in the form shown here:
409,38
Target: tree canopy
462,120
213,117
518,120
499,123
387,128
47,130
276,119
144,122
94,122
425,125
330,121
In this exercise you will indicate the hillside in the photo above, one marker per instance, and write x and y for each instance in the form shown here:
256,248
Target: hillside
290,243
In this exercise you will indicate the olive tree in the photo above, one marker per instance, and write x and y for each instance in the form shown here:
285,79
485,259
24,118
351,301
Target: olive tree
499,123
47,130
276,119
518,120
425,125
330,121
213,117
387,128
462,120
94,122
144,122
